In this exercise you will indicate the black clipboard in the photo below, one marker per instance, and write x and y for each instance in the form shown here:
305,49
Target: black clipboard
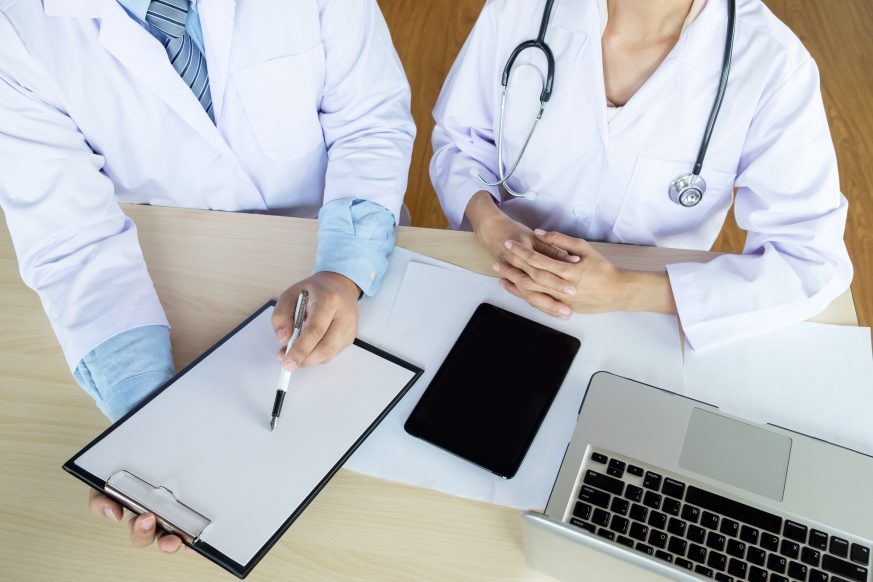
182,512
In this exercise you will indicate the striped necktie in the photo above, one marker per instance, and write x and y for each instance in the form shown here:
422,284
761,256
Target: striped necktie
170,16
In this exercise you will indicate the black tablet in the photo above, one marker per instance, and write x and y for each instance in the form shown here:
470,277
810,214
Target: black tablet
492,392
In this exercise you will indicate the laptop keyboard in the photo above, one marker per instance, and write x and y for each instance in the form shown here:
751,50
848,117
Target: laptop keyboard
706,533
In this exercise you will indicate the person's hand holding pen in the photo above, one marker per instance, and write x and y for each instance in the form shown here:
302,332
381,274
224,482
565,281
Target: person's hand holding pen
331,319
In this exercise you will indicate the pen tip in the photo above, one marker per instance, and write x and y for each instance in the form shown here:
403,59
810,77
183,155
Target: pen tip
273,423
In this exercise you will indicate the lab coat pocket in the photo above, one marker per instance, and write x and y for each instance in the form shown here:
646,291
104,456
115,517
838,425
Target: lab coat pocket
649,217
281,98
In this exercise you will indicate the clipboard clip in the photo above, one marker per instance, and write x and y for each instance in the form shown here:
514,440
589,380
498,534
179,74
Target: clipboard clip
172,515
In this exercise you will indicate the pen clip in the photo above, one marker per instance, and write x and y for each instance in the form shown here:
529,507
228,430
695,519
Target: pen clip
300,310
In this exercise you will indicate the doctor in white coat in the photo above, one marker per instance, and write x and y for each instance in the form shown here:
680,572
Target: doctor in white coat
634,84
297,108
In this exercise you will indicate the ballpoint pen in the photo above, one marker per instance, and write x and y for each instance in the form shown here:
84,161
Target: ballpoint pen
285,376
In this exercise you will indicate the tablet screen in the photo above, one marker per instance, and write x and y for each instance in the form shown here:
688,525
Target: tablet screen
489,397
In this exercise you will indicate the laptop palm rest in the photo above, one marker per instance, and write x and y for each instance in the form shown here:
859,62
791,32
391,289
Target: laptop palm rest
736,453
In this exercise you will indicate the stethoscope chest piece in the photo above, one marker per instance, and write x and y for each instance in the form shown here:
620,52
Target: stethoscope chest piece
687,190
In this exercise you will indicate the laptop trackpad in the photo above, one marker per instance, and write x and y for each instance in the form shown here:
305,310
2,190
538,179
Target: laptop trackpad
736,453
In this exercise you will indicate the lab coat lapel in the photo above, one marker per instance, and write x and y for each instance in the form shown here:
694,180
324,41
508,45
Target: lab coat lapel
146,59
217,19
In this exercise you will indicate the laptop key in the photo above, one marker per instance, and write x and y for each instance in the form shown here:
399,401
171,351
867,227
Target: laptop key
652,481
777,563
625,541
709,520
756,556
594,497
794,531
736,548
619,505
586,526
715,541
797,571
582,510
677,546
733,509
683,563
769,542
810,556
749,534
790,549
677,527
635,471
662,555
697,553
704,571
778,578
737,568
860,554
843,568
633,493
644,548
723,577
600,517
696,533
671,506
616,468
598,458
757,574
673,488
604,482
638,512
839,546
652,500
717,560
605,533
817,576
729,527
658,538
619,524
639,531
690,513
818,539
657,519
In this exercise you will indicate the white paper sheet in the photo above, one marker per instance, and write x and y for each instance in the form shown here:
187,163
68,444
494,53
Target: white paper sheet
207,437
812,378
432,307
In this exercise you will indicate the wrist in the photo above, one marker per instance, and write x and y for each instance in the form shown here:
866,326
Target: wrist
481,209
342,284
646,291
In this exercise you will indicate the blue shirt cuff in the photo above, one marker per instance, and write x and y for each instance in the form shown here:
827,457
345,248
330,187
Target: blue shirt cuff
126,369
355,239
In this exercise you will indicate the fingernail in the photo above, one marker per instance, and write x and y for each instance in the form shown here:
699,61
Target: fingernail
564,311
290,366
539,231
574,258
107,511
496,266
147,523
282,334
570,290
508,244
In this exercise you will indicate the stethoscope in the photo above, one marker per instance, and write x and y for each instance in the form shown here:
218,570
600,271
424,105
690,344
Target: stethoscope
686,190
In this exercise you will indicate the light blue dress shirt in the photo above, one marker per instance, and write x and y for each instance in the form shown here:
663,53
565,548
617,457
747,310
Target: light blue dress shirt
355,239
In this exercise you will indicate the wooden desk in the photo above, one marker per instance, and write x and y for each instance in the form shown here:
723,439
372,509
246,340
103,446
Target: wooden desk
211,270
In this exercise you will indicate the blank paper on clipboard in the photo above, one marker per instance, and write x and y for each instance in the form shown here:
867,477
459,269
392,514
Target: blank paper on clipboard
205,437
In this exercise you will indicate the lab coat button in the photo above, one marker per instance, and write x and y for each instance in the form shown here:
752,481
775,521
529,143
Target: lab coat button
582,212
372,274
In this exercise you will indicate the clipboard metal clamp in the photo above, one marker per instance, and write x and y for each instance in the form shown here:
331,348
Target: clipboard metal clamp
172,515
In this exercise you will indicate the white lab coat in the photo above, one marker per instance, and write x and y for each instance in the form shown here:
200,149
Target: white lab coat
609,181
311,105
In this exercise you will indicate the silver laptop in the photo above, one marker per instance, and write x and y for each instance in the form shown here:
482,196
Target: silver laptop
656,485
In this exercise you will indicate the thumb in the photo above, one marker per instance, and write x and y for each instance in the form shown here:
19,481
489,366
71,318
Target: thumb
576,246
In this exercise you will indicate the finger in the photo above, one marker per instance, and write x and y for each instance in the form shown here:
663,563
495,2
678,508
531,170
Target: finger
557,276
283,312
169,543
104,506
519,278
319,315
554,252
577,246
339,336
142,529
541,301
